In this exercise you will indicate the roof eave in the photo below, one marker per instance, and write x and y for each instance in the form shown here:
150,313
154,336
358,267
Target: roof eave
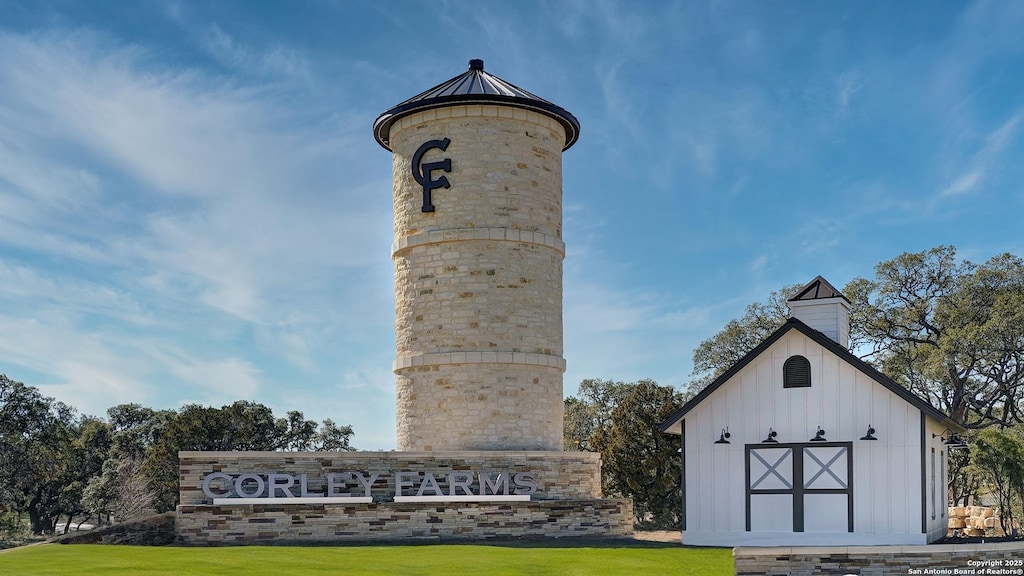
739,365
833,347
382,126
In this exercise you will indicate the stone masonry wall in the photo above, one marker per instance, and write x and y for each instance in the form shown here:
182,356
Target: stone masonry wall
559,475
1004,558
480,406
307,523
478,282
506,170
567,502
482,295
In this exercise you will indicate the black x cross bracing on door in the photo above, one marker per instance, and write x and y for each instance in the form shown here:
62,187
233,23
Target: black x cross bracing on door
783,469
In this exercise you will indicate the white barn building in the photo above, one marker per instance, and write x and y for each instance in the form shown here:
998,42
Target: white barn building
801,443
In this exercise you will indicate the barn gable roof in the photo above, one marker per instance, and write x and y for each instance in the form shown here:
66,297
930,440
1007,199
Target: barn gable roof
828,344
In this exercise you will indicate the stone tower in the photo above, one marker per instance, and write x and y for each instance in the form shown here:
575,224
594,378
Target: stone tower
477,176
478,288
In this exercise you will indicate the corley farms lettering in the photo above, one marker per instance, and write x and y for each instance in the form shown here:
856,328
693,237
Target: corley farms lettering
357,487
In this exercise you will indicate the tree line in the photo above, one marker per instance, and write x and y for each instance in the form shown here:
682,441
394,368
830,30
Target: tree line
949,330
57,465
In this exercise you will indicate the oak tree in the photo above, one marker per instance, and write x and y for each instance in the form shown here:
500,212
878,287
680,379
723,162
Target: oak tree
717,354
620,420
951,331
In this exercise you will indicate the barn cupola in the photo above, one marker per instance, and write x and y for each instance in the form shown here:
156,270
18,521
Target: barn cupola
822,307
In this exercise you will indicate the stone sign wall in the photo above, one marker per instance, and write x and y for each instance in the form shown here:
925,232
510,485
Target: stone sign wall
559,492
307,523
558,475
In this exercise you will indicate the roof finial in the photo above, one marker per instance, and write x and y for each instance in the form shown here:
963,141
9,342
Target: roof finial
476,64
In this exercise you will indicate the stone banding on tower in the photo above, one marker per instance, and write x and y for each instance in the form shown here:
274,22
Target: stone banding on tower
478,252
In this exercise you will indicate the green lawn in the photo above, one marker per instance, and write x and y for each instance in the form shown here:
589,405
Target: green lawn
61,560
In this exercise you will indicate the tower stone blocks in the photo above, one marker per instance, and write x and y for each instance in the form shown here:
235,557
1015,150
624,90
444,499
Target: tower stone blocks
478,266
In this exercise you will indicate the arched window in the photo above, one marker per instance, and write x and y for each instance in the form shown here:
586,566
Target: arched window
796,373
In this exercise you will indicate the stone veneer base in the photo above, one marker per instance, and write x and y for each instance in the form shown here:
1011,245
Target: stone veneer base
396,522
1002,558
567,503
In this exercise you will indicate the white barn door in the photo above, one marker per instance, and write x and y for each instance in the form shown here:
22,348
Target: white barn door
769,489
805,487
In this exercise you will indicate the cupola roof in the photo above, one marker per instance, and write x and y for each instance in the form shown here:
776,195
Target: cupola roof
817,289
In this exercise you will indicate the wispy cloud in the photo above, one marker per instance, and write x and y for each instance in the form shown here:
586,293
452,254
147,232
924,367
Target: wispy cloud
219,381
964,183
274,61
848,85
196,205
986,161
760,264
205,205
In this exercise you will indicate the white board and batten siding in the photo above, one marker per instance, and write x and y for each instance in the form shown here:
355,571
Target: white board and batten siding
936,498
829,316
886,474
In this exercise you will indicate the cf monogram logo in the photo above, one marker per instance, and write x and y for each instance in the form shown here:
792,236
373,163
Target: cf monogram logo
422,172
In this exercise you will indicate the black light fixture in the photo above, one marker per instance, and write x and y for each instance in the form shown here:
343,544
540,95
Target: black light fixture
870,434
819,436
724,438
951,439
771,437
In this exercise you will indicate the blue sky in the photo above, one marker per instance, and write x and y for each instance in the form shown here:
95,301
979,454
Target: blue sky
193,208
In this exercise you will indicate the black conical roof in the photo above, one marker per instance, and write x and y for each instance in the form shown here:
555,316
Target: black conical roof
475,87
